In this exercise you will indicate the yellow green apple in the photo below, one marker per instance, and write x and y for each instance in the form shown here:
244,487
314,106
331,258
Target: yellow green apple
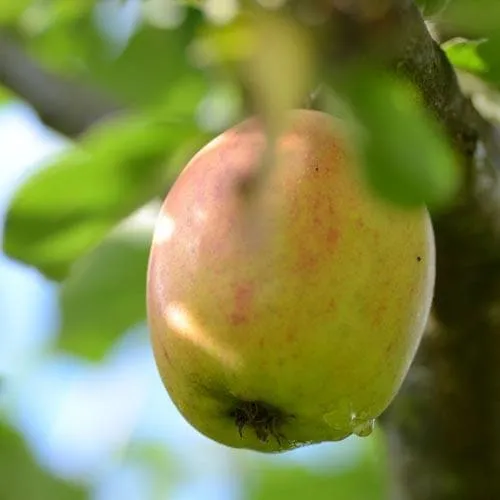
287,311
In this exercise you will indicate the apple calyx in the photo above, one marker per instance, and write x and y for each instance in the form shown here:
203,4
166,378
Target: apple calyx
265,420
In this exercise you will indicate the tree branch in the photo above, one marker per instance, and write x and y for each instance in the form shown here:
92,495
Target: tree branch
62,104
443,429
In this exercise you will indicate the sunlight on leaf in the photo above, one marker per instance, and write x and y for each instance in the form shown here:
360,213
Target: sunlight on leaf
405,155
11,11
66,208
464,55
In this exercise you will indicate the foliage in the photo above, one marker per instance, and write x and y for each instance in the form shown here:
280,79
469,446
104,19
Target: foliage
22,477
183,73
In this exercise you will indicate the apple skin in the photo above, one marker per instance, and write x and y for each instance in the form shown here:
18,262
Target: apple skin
290,314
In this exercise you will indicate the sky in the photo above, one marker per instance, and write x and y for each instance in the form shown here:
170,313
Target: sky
82,421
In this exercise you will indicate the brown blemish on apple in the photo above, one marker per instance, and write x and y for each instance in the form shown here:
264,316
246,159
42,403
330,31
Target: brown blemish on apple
379,314
243,302
308,262
164,351
360,223
390,347
332,236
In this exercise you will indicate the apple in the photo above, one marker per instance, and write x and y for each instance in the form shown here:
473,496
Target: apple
286,303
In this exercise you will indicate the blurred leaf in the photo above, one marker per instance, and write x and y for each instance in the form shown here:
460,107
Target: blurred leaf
5,95
63,47
22,478
361,481
480,57
478,16
65,209
62,36
464,55
105,292
489,52
431,7
405,155
153,63
62,10
280,70
11,11
271,56
137,71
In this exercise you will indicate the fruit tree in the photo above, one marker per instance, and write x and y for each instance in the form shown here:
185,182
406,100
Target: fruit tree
297,200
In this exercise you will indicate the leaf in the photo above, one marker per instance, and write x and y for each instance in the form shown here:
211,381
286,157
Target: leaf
22,478
431,7
480,57
104,294
464,54
65,209
489,52
10,12
478,16
5,95
153,62
405,155
64,36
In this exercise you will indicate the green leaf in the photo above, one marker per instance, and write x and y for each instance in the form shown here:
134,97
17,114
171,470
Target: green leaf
478,16
480,57
431,7
464,55
65,209
405,155
64,36
154,61
10,12
5,95
22,478
105,292
489,52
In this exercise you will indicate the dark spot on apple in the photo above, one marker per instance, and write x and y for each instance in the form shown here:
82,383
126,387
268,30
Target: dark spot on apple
237,319
243,298
165,353
419,258
265,420
332,237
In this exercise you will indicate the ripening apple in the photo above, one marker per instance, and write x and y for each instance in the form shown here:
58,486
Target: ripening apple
285,302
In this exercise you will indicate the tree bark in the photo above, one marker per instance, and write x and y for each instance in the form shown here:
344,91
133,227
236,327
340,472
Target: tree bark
62,104
443,429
